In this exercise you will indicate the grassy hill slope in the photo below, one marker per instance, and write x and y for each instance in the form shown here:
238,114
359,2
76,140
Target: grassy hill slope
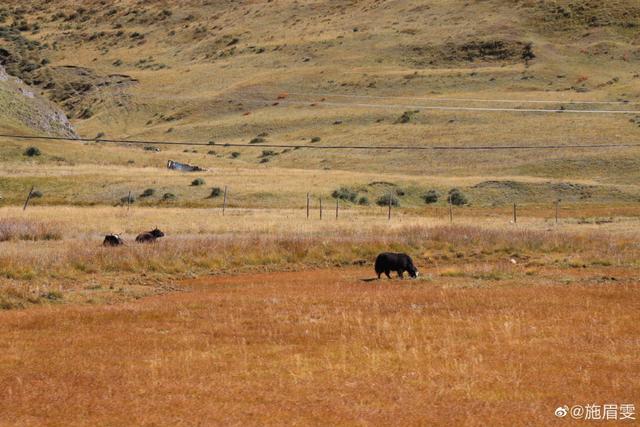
348,73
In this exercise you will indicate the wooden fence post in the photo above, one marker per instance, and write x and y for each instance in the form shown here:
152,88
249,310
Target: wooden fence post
450,210
307,205
337,207
557,203
129,200
224,201
320,207
26,202
515,214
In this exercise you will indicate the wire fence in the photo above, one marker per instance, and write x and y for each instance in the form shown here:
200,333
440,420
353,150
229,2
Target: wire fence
327,208
552,209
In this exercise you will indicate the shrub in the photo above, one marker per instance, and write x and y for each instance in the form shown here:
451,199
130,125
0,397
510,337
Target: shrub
257,140
315,139
384,200
235,155
168,197
36,194
400,192
86,113
527,52
431,196
127,200
345,193
215,192
32,152
148,192
363,201
264,160
198,181
457,197
406,116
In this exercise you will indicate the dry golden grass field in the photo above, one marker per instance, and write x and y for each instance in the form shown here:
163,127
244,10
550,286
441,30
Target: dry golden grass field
262,316
506,323
327,348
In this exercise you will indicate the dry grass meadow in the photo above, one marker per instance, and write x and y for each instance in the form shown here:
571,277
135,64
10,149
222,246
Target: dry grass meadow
325,348
262,317
265,317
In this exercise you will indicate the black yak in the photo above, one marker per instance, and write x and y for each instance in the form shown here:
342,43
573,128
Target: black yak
112,240
149,236
387,262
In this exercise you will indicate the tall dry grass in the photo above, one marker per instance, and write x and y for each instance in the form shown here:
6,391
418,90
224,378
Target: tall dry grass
227,252
27,229
202,242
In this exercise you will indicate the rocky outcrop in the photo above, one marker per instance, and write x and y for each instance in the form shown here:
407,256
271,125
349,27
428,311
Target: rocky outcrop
22,109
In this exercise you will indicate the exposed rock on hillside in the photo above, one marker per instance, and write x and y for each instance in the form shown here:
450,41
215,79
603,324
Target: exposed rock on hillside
23,110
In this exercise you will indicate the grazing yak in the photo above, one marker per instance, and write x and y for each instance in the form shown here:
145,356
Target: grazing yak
149,236
112,240
387,262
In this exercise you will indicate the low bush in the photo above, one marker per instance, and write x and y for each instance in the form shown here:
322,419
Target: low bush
86,113
168,197
127,200
345,193
215,192
148,192
406,116
197,182
457,197
431,196
386,199
32,152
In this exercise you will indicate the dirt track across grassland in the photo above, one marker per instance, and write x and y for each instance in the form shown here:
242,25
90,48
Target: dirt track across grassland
327,347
